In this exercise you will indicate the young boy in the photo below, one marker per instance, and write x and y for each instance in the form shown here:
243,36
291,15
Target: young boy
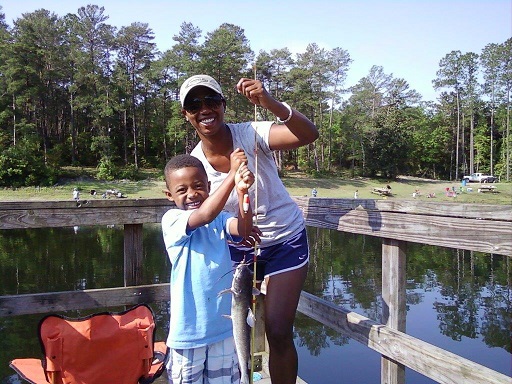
195,236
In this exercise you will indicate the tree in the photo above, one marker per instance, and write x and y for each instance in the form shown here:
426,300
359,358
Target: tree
383,122
135,52
471,100
340,60
174,65
90,46
491,68
458,72
35,64
226,55
449,76
310,80
506,80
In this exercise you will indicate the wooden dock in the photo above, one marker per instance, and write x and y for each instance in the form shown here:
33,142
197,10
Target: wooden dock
265,377
475,227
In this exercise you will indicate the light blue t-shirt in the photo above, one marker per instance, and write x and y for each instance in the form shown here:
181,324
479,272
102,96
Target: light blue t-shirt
201,268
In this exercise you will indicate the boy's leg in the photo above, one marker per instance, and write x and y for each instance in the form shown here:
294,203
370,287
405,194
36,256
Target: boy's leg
186,365
222,363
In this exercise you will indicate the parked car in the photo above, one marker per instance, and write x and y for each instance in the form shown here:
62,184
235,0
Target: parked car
480,178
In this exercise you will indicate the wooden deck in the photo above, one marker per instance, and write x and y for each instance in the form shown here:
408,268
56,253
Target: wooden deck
265,377
476,227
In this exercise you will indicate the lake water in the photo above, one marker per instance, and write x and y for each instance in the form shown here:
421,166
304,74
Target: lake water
457,300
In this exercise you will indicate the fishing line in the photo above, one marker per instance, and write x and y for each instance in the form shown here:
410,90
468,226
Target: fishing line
256,245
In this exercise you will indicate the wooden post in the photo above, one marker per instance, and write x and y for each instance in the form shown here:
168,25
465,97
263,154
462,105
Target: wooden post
260,345
133,254
394,303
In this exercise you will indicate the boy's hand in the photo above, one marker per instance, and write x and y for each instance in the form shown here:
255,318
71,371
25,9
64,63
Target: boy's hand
237,158
244,178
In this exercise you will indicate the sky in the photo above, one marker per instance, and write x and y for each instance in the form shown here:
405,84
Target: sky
407,38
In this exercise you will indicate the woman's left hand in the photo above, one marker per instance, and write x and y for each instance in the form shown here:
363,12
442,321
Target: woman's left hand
254,91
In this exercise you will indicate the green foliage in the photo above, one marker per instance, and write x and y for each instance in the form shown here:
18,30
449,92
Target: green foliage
130,172
90,94
107,170
21,165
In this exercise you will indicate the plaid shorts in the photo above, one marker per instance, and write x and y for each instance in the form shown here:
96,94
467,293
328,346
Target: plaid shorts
213,364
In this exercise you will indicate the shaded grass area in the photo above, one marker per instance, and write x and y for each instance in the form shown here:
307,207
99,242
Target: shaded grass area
297,183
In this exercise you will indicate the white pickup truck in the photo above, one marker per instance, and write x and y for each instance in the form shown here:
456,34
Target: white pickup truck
480,178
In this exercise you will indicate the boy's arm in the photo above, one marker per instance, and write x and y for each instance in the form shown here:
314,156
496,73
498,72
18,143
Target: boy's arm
242,226
213,205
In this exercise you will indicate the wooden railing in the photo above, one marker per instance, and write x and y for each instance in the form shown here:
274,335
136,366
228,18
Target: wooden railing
482,228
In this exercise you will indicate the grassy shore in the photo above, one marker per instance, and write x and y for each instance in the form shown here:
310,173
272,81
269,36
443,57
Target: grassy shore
297,184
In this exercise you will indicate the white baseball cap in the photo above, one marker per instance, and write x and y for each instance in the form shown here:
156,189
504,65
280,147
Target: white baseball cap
198,81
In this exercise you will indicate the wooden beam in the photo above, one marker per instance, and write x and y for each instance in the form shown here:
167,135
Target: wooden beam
28,304
393,303
442,366
48,214
415,223
133,254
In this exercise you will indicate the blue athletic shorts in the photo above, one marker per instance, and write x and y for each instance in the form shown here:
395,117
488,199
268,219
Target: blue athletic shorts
291,254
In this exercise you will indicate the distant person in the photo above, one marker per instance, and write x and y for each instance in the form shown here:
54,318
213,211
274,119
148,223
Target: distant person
356,194
195,235
284,253
314,192
76,194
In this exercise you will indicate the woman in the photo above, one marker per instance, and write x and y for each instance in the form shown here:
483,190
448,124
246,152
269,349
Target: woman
284,255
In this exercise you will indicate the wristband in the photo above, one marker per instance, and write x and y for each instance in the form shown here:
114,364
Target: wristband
290,114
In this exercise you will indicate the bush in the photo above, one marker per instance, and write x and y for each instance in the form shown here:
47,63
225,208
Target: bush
107,170
130,172
22,165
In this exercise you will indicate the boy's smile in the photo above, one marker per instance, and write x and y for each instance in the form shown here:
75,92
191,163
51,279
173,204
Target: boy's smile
188,188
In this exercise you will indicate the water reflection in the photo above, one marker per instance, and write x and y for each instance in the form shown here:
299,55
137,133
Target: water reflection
457,300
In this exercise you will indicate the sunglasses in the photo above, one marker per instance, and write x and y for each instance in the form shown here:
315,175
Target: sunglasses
195,104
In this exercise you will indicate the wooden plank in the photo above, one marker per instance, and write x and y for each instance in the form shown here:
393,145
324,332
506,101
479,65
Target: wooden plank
489,236
419,207
393,303
427,359
72,204
259,327
133,254
13,305
14,215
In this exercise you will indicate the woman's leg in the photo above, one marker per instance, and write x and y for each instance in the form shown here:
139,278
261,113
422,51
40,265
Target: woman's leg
281,300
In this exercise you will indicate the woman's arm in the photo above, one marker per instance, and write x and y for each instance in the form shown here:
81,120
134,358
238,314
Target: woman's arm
296,131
